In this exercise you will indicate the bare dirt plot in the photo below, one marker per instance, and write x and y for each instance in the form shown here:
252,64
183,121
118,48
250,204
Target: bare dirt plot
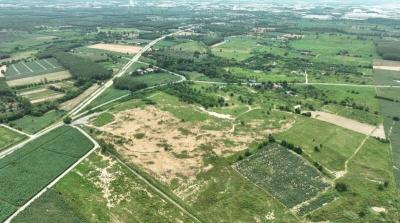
68,105
47,98
61,75
387,65
44,38
168,147
116,48
366,129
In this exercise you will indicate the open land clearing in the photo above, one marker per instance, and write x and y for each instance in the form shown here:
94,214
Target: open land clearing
366,129
116,48
387,65
29,169
56,76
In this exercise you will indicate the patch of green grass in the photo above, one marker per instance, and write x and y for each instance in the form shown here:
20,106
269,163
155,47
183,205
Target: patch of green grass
9,138
335,144
85,193
103,119
368,171
191,47
386,77
283,174
6,210
239,48
260,76
48,208
156,78
33,124
108,95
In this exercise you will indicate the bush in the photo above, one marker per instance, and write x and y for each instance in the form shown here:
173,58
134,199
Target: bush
341,187
67,120
127,83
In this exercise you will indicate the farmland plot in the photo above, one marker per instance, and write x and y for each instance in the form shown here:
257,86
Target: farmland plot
32,68
8,138
284,174
26,171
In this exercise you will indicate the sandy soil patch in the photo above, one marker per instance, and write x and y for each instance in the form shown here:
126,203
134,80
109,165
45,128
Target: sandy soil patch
215,114
366,129
167,147
379,209
387,65
3,69
61,75
68,105
116,48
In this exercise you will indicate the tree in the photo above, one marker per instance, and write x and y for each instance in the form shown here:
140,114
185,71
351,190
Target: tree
341,187
67,120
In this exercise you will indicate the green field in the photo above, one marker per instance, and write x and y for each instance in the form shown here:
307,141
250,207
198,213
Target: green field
33,124
9,138
191,47
365,189
326,47
156,78
131,200
107,95
32,68
48,208
239,48
36,164
386,77
335,144
103,119
283,174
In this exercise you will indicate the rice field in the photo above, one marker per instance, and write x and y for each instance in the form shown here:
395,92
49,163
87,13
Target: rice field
32,68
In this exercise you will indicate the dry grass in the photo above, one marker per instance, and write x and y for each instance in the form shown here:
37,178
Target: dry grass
366,129
68,105
387,65
61,75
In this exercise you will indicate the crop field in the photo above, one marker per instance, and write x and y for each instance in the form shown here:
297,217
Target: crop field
282,173
27,169
32,124
49,208
32,68
9,138
40,79
335,144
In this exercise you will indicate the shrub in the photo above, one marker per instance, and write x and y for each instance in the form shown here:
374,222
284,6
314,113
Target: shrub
341,187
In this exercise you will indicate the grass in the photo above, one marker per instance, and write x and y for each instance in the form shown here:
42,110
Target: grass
259,76
327,47
363,180
103,119
336,144
84,189
156,78
283,174
239,48
9,138
191,47
49,208
32,124
386,77
107,95
36,164
225,196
